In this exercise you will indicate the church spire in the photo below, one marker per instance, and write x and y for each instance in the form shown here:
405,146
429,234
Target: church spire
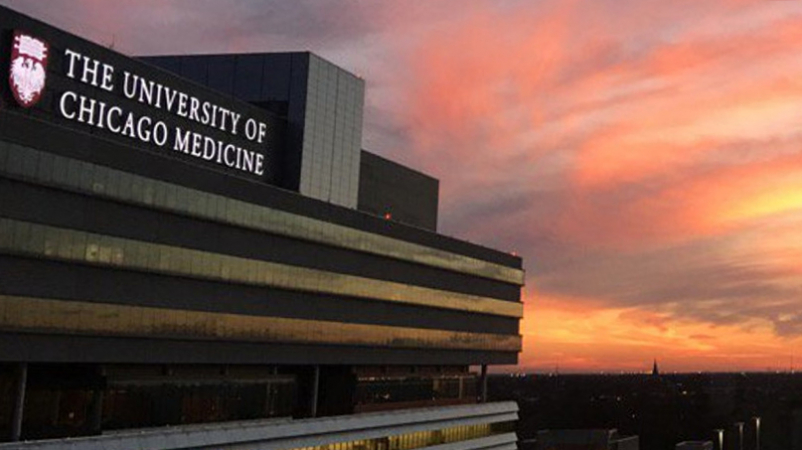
655,371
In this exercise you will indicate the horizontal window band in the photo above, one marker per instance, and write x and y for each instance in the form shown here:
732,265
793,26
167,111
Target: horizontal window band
26,314
43,241
71,348
31,202
41,278
71,174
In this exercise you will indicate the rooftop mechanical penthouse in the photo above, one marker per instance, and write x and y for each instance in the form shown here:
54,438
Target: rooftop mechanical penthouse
201,239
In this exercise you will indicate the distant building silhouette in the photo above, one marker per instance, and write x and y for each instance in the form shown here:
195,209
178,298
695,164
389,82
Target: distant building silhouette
694,445
655,370
589,439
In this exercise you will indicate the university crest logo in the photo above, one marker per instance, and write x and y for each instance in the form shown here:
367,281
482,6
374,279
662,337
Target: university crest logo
28,71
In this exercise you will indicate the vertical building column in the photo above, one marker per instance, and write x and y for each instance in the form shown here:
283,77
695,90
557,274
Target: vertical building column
739,434
96,411
19,402
315,389
719,434
483,385
756,420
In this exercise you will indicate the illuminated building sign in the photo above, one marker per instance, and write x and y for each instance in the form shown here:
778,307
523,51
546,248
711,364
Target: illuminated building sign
27,74
115,97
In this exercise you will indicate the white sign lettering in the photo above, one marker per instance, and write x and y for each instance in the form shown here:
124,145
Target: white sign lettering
144,128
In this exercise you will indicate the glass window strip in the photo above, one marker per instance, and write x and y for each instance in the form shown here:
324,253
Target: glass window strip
48,315
92,248
107,182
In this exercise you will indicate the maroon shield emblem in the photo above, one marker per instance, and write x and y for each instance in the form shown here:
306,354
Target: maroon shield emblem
28,71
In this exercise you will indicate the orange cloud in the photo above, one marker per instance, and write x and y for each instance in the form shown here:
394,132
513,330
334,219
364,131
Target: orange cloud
601,338
638,158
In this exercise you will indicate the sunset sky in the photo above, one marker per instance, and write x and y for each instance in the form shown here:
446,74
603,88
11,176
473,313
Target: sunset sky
644,157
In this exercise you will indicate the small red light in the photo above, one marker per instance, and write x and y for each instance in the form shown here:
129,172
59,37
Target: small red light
388,216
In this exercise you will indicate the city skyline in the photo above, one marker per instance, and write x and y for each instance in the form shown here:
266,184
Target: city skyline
642,157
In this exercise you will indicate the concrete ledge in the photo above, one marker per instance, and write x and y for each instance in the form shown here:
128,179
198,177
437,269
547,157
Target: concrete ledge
276,434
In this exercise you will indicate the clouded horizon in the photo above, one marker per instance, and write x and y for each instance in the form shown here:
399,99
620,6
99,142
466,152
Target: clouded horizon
644,157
